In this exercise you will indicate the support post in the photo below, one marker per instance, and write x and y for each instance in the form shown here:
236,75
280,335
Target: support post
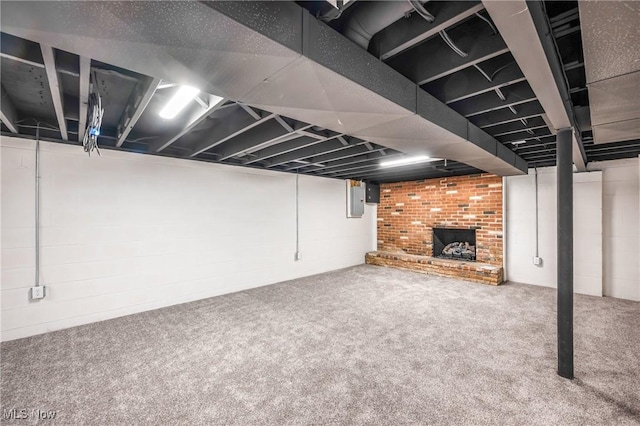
565,252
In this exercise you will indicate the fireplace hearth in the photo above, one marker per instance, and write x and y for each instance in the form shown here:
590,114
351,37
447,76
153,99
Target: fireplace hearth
453,243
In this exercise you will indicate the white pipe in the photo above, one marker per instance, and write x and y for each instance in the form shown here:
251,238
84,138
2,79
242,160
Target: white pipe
37,212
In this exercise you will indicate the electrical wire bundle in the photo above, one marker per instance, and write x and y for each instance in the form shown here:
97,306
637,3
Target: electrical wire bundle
90,140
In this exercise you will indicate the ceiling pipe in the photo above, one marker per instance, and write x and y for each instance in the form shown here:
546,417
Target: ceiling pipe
371,17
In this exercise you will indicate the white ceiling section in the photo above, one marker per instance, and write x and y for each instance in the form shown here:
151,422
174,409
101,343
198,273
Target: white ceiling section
273,55
518,30
611,42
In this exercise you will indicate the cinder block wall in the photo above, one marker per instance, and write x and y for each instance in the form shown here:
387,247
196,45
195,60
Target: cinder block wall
125,233
409,210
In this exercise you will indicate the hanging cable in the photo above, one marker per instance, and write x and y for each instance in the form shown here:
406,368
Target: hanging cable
536,187
451,44
493,28
476,66
420,10
493,75
90,140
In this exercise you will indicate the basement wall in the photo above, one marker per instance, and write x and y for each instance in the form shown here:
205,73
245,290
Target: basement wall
125,233
606,231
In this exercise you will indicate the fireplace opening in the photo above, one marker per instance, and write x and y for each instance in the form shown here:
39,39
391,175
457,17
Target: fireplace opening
451,243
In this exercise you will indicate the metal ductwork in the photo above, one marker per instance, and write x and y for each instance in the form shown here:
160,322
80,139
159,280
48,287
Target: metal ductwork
290,64
367,18
611,36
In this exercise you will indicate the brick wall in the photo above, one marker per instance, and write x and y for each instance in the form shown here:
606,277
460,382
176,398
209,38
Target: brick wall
408,211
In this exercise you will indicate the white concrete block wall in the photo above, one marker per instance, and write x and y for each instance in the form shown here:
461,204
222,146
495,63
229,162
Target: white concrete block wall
125,233
620,204
520,237
606,224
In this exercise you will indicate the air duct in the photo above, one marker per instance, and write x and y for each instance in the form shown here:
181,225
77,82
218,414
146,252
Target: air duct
291,64
367,18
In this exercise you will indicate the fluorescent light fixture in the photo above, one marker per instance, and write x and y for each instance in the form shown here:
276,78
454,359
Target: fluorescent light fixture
406,161
183,96
518,143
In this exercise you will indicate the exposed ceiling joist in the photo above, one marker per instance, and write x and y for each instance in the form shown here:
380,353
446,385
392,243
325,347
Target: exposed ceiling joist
136,107
407,33
517,94
262,135
214,104
431,61
525,30
229,129
503,116
366,158
284,148
325,147
54,86
8,112
469,82
354,151
83,100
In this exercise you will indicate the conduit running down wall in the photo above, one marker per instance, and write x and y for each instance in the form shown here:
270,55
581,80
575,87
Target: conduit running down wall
273,55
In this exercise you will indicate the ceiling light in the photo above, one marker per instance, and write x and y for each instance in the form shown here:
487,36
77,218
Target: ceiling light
180,100
518,143
406,161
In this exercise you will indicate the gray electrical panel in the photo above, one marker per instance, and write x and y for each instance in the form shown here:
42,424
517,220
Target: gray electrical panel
356,201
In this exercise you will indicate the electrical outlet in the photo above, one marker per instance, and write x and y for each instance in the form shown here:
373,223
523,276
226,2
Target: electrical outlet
537,261
298,256
37,292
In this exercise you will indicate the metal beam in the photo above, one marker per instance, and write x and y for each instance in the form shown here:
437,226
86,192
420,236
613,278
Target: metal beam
516,94
228,129
434,59
322,147
407,33
470,82
135,108
528,33
502,116
214,104
367,158
565,253
8,112
514,137
515,126
293,145
263,135
54,86
85,73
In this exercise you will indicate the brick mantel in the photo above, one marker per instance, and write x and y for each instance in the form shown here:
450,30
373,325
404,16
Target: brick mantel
409,210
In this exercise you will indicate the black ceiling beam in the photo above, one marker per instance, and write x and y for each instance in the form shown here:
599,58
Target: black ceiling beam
502,116
283,148
138,102
432,60
322,147
520,136
470,82
214,103
523,128
399,172
334,157
266,132
515,94
371,157
435,174
8,112
515,126
407,33
229,128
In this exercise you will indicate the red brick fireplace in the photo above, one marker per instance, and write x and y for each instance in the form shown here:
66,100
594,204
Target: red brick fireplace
409,211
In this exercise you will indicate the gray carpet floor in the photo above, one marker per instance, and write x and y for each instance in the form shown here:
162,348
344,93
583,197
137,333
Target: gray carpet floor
364,345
